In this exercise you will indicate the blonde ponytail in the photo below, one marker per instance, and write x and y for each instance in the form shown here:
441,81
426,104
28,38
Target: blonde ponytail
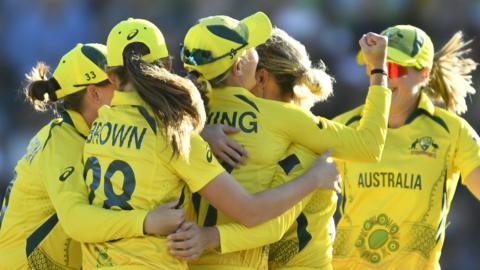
288,61
450,77
313,86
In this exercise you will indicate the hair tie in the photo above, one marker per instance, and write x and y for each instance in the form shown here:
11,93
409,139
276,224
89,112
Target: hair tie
53,86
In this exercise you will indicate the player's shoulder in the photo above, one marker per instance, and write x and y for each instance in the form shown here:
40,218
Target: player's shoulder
61,135
451,119
350,117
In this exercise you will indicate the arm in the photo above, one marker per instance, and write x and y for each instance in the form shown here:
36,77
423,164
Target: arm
467,158
190,241
204,175
234,237
364,143
225,194
473,182
86,223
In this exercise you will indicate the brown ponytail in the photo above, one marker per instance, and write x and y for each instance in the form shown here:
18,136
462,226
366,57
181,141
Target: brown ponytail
450,77
288,61
40,92
174,100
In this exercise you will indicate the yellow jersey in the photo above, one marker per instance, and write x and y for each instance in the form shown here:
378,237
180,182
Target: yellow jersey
48,195
129,165
395,211
308,243
268,128
303,235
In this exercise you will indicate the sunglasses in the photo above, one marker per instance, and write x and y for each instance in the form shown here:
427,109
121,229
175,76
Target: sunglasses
394,70
198,57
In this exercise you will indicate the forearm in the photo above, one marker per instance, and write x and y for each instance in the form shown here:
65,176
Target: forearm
472,182
87,223
373,126
273,202
235,237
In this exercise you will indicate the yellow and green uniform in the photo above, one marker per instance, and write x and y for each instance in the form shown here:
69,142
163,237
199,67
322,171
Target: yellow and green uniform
268,128
303,234
308,243
48,195
129,165
395,211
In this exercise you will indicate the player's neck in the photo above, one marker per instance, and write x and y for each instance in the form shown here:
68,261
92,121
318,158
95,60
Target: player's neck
400,112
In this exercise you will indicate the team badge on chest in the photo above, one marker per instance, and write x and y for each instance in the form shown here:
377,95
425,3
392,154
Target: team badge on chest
424,146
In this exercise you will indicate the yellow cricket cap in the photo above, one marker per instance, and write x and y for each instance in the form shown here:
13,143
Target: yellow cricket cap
408,46
213,45
131,31
83,65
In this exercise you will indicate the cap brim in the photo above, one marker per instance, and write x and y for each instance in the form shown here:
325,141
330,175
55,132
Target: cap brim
259,28
393,55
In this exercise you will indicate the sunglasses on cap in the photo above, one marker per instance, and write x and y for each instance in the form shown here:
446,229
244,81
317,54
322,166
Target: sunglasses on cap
394,70
198,57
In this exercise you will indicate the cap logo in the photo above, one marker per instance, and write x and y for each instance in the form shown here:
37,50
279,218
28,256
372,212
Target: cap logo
397,40
417,43
132,34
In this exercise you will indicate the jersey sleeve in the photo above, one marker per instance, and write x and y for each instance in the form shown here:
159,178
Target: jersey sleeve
467,154
200,168
363,144
67,190
236,237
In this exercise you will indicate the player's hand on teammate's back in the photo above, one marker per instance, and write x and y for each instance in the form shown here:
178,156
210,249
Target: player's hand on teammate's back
223,147
374,50
323,169
190,241
164,220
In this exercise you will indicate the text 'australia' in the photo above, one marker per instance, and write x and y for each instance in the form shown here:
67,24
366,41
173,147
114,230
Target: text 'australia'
390,180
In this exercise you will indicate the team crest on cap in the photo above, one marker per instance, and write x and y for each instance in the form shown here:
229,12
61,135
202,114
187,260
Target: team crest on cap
399,40
424,146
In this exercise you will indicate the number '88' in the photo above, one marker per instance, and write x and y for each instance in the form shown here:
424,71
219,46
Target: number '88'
112,199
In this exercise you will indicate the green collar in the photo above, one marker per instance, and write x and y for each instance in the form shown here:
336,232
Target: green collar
76,120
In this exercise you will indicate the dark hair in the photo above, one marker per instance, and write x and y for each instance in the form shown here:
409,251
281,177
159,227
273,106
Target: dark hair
175,101
39,91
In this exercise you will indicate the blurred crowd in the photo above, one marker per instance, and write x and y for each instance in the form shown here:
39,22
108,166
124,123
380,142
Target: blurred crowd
43,30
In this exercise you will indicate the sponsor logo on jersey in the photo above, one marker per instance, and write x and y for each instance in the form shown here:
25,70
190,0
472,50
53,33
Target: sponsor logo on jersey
68,171
209,155
424,146
245,121
32,149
